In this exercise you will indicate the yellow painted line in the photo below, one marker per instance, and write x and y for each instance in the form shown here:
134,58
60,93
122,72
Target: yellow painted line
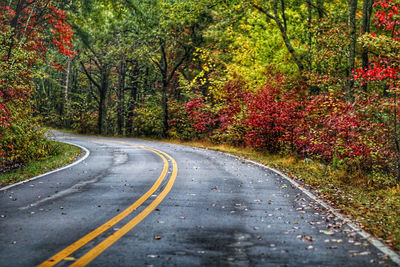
100,248
90,236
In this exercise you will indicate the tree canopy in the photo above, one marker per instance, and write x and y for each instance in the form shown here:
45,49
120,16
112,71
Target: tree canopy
315,78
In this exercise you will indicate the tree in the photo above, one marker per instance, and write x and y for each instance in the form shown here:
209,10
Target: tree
352,48
366,28
170,34
28,29
96,32
276,10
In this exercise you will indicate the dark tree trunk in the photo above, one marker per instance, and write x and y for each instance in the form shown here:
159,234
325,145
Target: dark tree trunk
164,102
103,91
14,24
320,5
309,24
352,49
66,91
103,107
365,28
131,110
282,25
165,82
100,118
121,96
168,71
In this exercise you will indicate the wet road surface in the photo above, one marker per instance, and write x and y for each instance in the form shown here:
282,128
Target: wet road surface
208,210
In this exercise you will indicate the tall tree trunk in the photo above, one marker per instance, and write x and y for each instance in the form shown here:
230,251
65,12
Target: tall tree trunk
281,22
309,24
103,97
103,91
131,110
165,82
66,87
164,102
365,28
282,25
320,4
121,96
352,9
14,23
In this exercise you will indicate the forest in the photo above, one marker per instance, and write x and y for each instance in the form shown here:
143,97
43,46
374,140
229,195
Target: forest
317,79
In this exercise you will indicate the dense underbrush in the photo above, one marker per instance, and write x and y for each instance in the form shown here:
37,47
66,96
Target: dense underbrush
282,118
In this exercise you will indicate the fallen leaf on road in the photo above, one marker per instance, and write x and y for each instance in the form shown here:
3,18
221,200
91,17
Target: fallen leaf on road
327,232
157,237
365,253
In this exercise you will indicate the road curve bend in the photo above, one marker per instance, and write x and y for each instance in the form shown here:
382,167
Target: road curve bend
140,203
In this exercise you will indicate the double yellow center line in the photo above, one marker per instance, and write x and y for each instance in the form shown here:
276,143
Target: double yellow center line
102,246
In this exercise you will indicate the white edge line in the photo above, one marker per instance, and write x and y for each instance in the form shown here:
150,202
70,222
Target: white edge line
373,240
87,153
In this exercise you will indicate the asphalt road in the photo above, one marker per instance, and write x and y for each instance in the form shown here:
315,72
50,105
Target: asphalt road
129,205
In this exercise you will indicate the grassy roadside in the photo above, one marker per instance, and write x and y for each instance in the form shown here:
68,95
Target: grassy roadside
376,209
67,154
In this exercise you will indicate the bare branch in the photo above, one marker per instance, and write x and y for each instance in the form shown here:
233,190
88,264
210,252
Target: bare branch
89,76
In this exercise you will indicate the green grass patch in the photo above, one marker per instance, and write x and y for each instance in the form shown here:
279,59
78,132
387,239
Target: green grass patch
377,209
67,154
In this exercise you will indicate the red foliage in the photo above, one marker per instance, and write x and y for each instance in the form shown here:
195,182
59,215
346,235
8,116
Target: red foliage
333,128
384,67
38,25
41,24
203,120
232,103
378,71
273,116
4,112
222,113
323,126
386,17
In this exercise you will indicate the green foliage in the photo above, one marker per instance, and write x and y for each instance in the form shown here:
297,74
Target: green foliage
180,124
24,141
148,119
21,138
65,154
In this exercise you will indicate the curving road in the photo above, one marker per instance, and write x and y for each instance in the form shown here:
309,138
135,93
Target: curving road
140,203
